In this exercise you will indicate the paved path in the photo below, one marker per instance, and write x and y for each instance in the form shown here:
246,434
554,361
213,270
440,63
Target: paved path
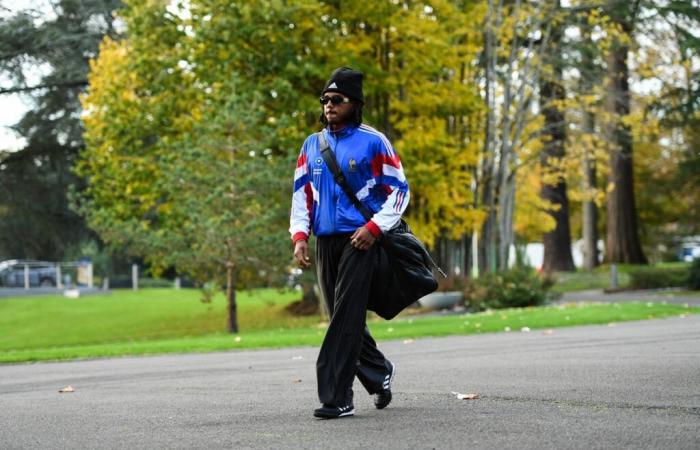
635,385
6,292
653,295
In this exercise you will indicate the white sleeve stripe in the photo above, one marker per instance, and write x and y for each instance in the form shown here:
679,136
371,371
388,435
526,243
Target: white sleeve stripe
392,209
299,219
394,172
300,172
387,144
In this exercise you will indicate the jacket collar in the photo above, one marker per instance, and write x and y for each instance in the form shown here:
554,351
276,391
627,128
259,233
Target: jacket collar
343,132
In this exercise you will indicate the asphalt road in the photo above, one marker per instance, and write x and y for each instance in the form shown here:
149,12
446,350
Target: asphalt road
633,385
650,295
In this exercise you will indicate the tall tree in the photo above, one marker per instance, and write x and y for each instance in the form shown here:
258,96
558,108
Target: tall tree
517,35
622,238
589,72
44,57
557,242
187,123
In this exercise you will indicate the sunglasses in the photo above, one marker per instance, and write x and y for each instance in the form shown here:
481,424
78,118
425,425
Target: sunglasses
334,99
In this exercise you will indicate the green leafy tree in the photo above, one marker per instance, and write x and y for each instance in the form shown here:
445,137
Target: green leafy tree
188,122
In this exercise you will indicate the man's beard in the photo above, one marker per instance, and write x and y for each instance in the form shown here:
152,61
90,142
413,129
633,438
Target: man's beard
339,118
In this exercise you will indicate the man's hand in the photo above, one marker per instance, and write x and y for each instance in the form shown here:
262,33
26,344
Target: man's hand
362,239
301,253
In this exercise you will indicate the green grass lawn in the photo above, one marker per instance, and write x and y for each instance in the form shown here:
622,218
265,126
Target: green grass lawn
125,315
165,320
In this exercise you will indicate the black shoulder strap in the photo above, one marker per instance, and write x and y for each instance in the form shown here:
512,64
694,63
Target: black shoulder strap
329,158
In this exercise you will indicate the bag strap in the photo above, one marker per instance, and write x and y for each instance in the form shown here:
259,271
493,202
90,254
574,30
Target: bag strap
332,163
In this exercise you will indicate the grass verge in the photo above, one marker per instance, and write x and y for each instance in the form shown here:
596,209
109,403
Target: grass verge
600,278
300,334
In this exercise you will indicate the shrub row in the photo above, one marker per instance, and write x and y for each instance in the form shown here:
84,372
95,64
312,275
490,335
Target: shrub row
693,281
524,287
658,277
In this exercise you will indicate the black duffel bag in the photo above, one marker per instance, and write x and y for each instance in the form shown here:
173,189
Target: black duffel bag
403,272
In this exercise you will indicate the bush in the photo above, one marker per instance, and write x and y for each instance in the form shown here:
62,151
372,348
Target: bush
452,283
658,277
693,281
512,289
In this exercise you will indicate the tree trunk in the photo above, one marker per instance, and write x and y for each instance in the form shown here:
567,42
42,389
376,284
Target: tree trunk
590,209
506,206
622,240
557,243
231,297
487,243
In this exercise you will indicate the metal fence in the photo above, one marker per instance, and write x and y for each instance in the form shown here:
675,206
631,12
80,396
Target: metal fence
34,274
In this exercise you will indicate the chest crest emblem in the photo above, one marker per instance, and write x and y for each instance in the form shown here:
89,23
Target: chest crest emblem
352,165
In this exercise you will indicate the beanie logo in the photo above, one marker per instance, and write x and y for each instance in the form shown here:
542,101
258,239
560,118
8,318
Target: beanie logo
333,86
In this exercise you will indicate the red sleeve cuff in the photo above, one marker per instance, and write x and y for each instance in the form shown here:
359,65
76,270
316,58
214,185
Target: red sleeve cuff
300,236
373,228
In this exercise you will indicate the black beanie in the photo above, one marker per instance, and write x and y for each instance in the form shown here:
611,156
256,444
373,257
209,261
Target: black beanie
346,81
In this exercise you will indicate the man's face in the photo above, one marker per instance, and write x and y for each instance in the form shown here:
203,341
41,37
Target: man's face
339,114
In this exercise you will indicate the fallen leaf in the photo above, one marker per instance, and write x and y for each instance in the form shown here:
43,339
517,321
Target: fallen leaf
683,316
297,358
66,390
237,339
548,332
465,396
612,324
298,380
390,330
506,329
525,329
408,341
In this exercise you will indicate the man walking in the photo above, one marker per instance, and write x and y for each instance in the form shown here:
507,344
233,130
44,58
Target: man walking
345,245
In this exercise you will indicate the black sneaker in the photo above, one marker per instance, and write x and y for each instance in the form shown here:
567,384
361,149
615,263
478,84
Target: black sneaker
334,412
383,397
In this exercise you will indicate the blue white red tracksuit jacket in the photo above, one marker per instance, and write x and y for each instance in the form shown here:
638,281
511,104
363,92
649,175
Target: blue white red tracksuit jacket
374,172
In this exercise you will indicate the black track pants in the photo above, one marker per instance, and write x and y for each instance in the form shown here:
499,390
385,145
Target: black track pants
348,349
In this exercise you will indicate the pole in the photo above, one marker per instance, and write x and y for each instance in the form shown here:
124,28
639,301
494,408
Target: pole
135,277
26,276
89,275
475,255
59,281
